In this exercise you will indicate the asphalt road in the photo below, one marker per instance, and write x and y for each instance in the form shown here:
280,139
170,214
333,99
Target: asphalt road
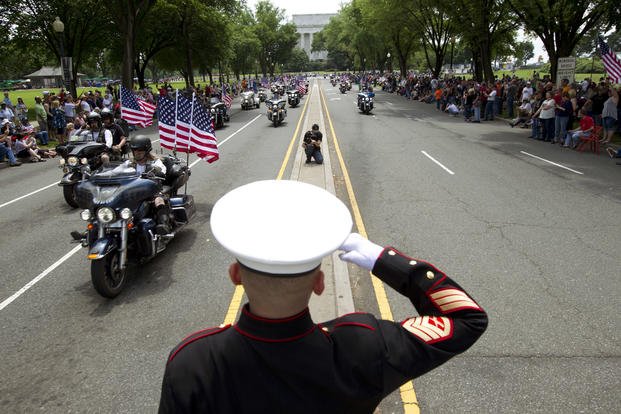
536,244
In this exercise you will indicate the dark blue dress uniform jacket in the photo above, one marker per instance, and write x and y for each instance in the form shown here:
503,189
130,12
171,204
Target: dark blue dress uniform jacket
347,365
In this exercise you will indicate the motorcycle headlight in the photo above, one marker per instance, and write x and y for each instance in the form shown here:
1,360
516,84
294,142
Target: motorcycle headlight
85,215
213,111
84,161
105,214
367,99
72,161
126,214
61,162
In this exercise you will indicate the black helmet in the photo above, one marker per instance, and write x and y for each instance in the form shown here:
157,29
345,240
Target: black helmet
140,142
106,113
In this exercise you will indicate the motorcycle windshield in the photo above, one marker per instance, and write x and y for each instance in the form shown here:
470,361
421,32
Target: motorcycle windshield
116,188
88,149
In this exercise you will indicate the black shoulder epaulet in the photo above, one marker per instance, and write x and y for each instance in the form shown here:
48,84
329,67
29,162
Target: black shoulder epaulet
195,337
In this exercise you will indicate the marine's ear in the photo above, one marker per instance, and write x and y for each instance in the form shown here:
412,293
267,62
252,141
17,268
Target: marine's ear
235,274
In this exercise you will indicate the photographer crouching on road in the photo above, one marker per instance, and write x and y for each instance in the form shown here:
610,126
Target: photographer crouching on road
312,145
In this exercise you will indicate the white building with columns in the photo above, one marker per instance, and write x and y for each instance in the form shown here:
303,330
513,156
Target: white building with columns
307,25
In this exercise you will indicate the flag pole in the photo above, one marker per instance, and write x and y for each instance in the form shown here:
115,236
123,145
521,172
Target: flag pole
176,112
187,154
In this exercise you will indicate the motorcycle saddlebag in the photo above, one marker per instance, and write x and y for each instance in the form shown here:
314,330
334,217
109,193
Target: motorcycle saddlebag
183,208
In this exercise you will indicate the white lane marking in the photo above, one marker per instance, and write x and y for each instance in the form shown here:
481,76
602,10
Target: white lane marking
335,99
550,162
438,162
47,271
389,103
29,194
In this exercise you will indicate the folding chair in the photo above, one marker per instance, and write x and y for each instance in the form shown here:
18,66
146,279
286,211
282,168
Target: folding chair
592,141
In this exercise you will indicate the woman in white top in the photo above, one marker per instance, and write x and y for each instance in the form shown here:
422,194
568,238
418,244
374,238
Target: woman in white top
69,109
547,115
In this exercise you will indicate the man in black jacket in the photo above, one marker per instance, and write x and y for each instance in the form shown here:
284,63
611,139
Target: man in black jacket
275,358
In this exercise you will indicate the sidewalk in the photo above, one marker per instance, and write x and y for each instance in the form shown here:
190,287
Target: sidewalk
337,298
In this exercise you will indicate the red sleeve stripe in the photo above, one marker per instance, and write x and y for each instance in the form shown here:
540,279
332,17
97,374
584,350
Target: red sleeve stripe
451,300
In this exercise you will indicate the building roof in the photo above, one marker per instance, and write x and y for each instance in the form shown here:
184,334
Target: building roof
302,20
47,72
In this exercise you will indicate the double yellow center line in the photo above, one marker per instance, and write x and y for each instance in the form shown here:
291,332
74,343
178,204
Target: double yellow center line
408,396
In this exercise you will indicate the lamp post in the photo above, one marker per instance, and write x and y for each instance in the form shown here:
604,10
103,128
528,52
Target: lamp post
389,62
65,62
452,47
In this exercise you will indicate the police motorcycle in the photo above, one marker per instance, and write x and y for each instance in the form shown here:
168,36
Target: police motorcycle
80,156
122,221
293,97
218,111
365,101
249,100
276,110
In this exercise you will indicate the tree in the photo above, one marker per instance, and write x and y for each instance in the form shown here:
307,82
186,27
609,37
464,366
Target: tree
561,24
276,39
523,52
86,29
298,62
244,44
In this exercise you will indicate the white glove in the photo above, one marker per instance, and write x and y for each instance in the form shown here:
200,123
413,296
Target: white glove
360,251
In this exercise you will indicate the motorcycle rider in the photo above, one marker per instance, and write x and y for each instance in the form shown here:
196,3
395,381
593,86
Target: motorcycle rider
145,162
99,134
119,139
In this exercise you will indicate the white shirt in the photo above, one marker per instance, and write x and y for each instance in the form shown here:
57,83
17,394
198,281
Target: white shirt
140,168
527,92
107,137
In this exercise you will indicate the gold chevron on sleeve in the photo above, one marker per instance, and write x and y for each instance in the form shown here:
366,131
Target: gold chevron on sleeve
430,329
451,300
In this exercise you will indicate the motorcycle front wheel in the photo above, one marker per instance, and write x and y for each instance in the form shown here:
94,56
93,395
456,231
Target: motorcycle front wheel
107,276
69,194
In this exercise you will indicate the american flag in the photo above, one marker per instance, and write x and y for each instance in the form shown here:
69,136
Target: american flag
611,61
226,98
202,136
135,110
166,122
183,122
301,88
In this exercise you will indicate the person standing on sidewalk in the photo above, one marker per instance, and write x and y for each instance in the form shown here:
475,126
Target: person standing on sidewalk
275,358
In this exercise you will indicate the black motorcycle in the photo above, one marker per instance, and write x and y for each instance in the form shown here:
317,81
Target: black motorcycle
121,219
365,101
293,97
276,110
343,88
219,112
78,158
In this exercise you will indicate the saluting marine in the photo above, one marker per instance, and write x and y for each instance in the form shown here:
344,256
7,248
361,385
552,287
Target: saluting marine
275,358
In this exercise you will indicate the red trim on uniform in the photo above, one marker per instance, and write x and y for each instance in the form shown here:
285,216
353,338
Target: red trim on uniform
361,325
202,330
352,313
183,345
290,339
438,282
279,320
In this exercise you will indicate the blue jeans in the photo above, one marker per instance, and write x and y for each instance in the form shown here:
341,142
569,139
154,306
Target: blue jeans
560,127
536,130
43,137
4,150
489,111
314,153
477,113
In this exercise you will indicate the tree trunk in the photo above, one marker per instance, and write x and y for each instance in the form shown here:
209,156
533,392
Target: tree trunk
128,35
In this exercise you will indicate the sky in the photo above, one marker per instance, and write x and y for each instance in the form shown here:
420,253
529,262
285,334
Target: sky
333,6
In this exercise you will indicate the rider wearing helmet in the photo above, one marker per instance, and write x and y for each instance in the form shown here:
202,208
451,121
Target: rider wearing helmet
146,162
119,139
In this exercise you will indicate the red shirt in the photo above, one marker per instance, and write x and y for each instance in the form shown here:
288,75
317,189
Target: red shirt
586,123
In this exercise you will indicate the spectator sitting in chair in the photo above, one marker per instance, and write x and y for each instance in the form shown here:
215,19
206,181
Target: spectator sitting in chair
524,112
574,135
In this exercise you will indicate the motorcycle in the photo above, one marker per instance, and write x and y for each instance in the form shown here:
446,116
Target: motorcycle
276,111
262,95
365,101
293,98
219,112
79,157
249,100
343,88
333,82
121,219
